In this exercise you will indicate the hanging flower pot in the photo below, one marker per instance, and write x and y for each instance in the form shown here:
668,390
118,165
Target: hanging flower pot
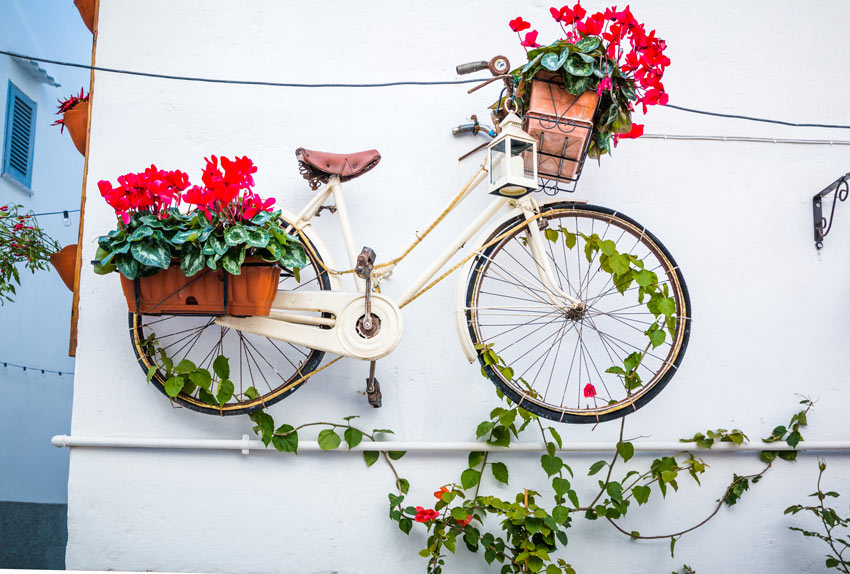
65,263
562,125
171,292
86,10
75,117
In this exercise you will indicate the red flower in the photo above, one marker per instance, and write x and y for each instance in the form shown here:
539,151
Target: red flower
19,226
439,493
592,26
425,514
465,521
254,204
589,391
518,24
531,40
579,11
637,131
564,15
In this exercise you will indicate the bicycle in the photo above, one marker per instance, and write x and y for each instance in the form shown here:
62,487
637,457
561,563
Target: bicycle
535,306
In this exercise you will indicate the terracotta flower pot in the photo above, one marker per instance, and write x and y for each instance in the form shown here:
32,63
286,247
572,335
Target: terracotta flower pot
171,292
77,124
562,124
65,263
86,9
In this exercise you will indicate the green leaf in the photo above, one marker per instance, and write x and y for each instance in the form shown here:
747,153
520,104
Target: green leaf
560,485
673,540
288,442
328,439
577,85
191,259
626,450
577,66
185,366
221,366
560,514
206,397
261,218
656,335
667,306
551,235
556,436
257,237
140,233
641,493
550,62
588,44
182,237
500,471
151,373
201,378
232,260
370,456
469,478
794,439
484,429
235,235
596,467
396,454
152,252
475,458
294,256
225,391
252,393
352,437
531,63
173,386
216,245
551,464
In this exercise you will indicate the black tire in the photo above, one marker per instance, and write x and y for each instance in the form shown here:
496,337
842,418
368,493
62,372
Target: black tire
530,395
250,346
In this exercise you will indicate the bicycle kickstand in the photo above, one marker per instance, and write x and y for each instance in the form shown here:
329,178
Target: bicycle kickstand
369,324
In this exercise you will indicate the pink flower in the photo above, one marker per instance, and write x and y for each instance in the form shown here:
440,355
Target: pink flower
589,391
605,84
518,24
531,40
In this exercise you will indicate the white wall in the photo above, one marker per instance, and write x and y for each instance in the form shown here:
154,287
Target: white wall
769,311
34,329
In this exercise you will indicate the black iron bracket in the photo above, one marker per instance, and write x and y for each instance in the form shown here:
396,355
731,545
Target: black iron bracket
840,190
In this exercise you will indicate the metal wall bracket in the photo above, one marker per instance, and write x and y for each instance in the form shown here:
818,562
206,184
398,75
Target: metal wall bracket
840,189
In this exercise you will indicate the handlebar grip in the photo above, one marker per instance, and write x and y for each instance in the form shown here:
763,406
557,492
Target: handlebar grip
471,67
464,129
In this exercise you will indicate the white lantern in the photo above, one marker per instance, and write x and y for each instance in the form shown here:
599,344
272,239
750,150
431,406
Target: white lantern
513,160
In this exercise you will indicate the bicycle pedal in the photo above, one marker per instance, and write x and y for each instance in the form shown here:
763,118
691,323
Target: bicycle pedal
373,392
365,263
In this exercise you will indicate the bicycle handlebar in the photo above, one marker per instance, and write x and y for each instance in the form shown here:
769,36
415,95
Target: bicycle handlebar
471,67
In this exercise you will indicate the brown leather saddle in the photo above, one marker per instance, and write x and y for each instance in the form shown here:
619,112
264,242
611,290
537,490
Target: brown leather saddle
317,167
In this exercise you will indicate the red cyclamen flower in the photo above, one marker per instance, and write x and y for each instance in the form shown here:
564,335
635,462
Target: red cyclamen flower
592,26
589,391
530,40
425,514
518,24
636,132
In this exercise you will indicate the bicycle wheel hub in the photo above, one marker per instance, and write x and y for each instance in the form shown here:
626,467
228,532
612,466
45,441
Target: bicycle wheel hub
577,312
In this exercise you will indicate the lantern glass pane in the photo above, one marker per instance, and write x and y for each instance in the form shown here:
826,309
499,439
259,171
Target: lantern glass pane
498,165
522,161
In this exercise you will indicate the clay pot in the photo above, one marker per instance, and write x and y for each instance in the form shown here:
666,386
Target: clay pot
561,123
86,9
170,292
77,124
65,263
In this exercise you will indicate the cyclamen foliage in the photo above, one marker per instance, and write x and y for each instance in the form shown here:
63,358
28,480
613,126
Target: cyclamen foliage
21,241
228,223
610,52
69,104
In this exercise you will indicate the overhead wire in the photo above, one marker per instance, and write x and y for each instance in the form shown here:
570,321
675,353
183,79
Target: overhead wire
26,368
382,85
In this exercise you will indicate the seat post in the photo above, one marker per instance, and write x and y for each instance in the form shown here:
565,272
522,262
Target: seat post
345,226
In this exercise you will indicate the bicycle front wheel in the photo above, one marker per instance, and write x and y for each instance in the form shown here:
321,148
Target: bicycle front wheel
594,363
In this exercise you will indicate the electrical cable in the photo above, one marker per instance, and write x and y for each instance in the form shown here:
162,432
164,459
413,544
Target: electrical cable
384,85
63,212
35,369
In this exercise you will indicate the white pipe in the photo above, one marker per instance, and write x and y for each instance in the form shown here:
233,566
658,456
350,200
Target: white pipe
247,444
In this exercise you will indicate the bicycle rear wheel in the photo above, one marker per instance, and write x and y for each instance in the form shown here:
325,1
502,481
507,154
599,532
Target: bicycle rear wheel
590,365
263,371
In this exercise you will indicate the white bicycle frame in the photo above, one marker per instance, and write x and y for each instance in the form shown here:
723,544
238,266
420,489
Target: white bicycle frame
335,330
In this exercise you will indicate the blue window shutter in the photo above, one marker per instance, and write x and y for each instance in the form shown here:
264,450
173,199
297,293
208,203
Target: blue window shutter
19,140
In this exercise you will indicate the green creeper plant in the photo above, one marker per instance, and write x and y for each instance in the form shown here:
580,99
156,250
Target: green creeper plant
833,525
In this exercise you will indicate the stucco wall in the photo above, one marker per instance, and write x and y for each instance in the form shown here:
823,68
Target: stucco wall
768,308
